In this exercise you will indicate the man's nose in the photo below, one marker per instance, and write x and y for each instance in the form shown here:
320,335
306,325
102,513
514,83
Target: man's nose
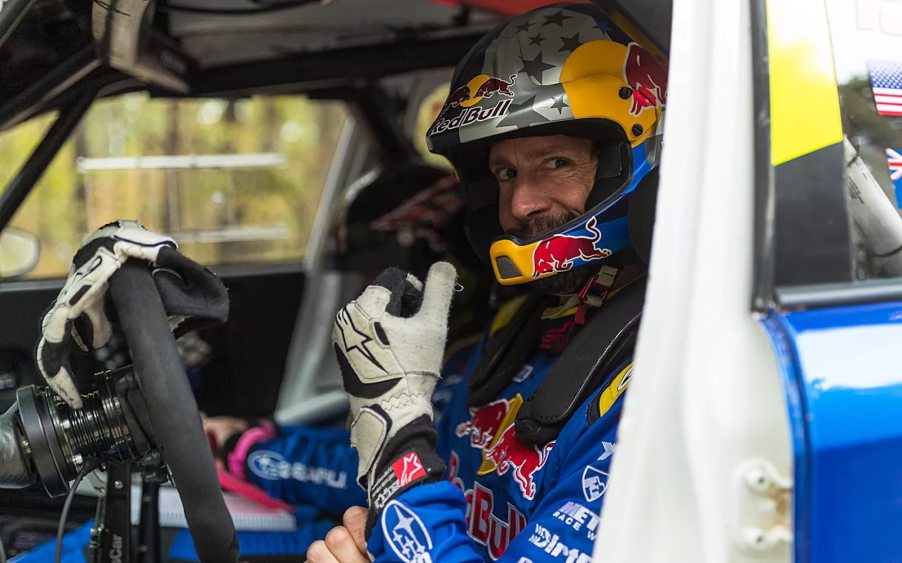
529,197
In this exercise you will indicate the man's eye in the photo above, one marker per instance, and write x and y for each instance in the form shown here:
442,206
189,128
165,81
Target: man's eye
505,174
555,163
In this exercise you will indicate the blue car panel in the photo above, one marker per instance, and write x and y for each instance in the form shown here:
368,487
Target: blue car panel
843,379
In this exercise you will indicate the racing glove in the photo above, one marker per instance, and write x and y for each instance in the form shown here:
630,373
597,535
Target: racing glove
389,343
78,314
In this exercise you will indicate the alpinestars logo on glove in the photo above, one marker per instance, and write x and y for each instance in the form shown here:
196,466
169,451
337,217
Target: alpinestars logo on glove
402,472
408,468
353,339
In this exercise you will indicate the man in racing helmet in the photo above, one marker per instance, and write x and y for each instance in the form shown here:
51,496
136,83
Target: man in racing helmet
569,78
553,126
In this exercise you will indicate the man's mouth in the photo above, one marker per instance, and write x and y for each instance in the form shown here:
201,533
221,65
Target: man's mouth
541,225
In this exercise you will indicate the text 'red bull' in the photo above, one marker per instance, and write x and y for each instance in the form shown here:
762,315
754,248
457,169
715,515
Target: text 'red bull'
647,77
482,525
557,253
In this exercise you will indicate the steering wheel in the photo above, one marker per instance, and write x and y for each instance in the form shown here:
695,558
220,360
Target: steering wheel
173,411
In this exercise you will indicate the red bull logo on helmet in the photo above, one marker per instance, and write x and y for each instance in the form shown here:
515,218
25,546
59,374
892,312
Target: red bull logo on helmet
647,77
467,96
557,253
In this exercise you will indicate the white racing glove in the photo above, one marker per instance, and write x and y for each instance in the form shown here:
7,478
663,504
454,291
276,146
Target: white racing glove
78,315
389,343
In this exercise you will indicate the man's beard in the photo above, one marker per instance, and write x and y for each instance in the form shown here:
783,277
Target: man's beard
561,283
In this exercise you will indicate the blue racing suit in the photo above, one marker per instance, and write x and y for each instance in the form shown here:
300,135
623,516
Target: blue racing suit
502,499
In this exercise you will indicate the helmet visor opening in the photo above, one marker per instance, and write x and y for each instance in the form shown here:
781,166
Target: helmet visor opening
471,160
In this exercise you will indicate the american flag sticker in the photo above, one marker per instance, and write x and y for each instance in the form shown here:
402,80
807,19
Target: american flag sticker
894,159
886,82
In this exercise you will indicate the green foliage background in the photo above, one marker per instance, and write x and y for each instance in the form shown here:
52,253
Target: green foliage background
210,211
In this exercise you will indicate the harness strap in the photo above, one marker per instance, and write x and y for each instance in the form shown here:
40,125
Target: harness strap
506,352
607,338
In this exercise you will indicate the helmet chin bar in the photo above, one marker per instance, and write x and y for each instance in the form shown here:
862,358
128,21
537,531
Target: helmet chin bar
587,242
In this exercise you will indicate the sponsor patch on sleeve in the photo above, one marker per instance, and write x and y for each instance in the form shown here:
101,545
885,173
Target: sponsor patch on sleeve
405,533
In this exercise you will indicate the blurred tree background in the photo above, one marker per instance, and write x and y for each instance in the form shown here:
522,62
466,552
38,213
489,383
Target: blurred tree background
255,204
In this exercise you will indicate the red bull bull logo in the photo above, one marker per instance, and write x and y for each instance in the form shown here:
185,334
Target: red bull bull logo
484,424
467,96
647,77
491,429
557,253
493,86
510,454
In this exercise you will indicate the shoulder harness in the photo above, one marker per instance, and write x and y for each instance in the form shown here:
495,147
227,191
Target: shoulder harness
607,338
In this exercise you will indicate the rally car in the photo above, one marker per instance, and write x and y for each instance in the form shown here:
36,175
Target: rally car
762,420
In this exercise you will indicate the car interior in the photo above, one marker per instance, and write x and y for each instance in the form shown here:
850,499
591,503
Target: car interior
280,142
379,71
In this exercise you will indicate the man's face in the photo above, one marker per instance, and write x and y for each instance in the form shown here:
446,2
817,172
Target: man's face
543,183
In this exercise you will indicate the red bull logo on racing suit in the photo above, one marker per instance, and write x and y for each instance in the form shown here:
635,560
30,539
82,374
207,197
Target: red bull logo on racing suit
491,429
647,77
484,424
523,460
557,253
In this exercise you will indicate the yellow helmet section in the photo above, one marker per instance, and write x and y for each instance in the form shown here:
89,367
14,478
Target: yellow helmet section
516,263
512,263
596,79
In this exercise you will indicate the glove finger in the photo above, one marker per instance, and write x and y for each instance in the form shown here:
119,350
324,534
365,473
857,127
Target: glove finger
387,288
411,299
82,332
88,285
124,239
93,327
134,232
132,240
128,249
53,363
54,325
438,292
415,282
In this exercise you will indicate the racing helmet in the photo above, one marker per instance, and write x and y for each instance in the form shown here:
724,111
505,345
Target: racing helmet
558,70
